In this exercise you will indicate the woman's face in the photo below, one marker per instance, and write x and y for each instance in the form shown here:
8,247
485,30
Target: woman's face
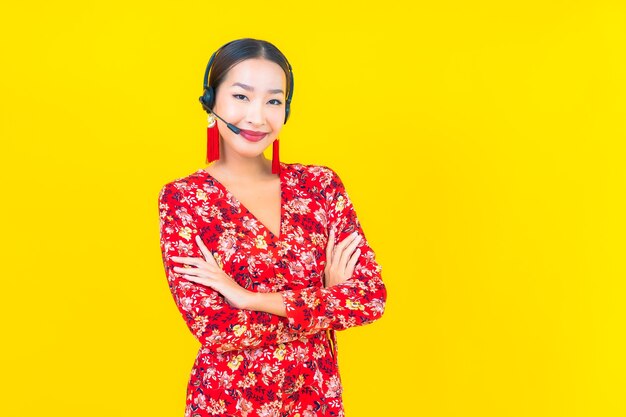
251,97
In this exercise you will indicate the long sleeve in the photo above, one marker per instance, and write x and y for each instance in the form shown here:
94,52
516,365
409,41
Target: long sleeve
357,301
216,324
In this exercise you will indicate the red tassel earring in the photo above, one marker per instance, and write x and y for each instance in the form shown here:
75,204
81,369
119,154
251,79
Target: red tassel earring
275,160
213,140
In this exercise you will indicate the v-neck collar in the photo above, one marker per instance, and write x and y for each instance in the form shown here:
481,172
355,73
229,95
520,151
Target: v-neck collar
283,168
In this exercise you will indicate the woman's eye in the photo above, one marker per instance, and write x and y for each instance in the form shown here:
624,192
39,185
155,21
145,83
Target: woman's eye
243,97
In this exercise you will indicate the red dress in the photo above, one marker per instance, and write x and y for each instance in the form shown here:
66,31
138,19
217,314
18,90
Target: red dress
253,363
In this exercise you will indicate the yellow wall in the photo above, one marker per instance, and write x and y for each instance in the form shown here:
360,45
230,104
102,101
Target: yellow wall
482,144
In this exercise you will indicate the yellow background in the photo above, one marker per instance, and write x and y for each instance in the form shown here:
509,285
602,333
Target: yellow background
481,142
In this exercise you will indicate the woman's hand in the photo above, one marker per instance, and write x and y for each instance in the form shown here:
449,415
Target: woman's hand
209,273
340,259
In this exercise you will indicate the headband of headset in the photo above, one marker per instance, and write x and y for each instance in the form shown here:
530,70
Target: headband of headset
209,93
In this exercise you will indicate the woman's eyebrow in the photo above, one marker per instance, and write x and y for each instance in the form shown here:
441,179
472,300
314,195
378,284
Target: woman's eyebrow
249,88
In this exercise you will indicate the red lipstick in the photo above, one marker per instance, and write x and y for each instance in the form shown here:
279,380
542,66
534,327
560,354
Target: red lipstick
252,135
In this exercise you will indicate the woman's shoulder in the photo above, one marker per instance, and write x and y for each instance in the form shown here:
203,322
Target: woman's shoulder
320,174
183,184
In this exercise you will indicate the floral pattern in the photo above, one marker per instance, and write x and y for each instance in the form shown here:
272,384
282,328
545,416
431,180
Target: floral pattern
252,363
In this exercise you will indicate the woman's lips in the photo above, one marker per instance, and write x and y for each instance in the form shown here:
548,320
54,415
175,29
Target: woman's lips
252,136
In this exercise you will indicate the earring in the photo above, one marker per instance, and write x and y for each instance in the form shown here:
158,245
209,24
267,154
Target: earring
213,140
275,160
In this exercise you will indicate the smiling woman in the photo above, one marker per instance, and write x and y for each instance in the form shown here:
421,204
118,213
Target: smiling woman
264,262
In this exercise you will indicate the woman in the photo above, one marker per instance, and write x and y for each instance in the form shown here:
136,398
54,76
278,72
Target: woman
264,264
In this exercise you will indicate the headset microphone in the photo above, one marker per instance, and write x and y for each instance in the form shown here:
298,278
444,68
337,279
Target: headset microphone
231,126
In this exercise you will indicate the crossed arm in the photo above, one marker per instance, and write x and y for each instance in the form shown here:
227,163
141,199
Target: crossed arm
271,318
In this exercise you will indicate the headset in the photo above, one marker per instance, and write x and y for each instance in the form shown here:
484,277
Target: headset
208,96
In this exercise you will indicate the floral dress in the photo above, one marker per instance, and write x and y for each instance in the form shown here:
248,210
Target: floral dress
253,363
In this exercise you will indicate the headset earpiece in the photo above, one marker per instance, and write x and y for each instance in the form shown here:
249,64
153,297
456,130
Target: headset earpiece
207,99
288,101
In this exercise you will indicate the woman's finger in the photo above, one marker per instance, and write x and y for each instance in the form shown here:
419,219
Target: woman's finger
187,260
352,263
347,241
200,280
192,278
205,251
330,245
349,249
188,271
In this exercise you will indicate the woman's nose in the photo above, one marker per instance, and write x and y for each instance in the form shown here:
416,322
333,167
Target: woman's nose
256,115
